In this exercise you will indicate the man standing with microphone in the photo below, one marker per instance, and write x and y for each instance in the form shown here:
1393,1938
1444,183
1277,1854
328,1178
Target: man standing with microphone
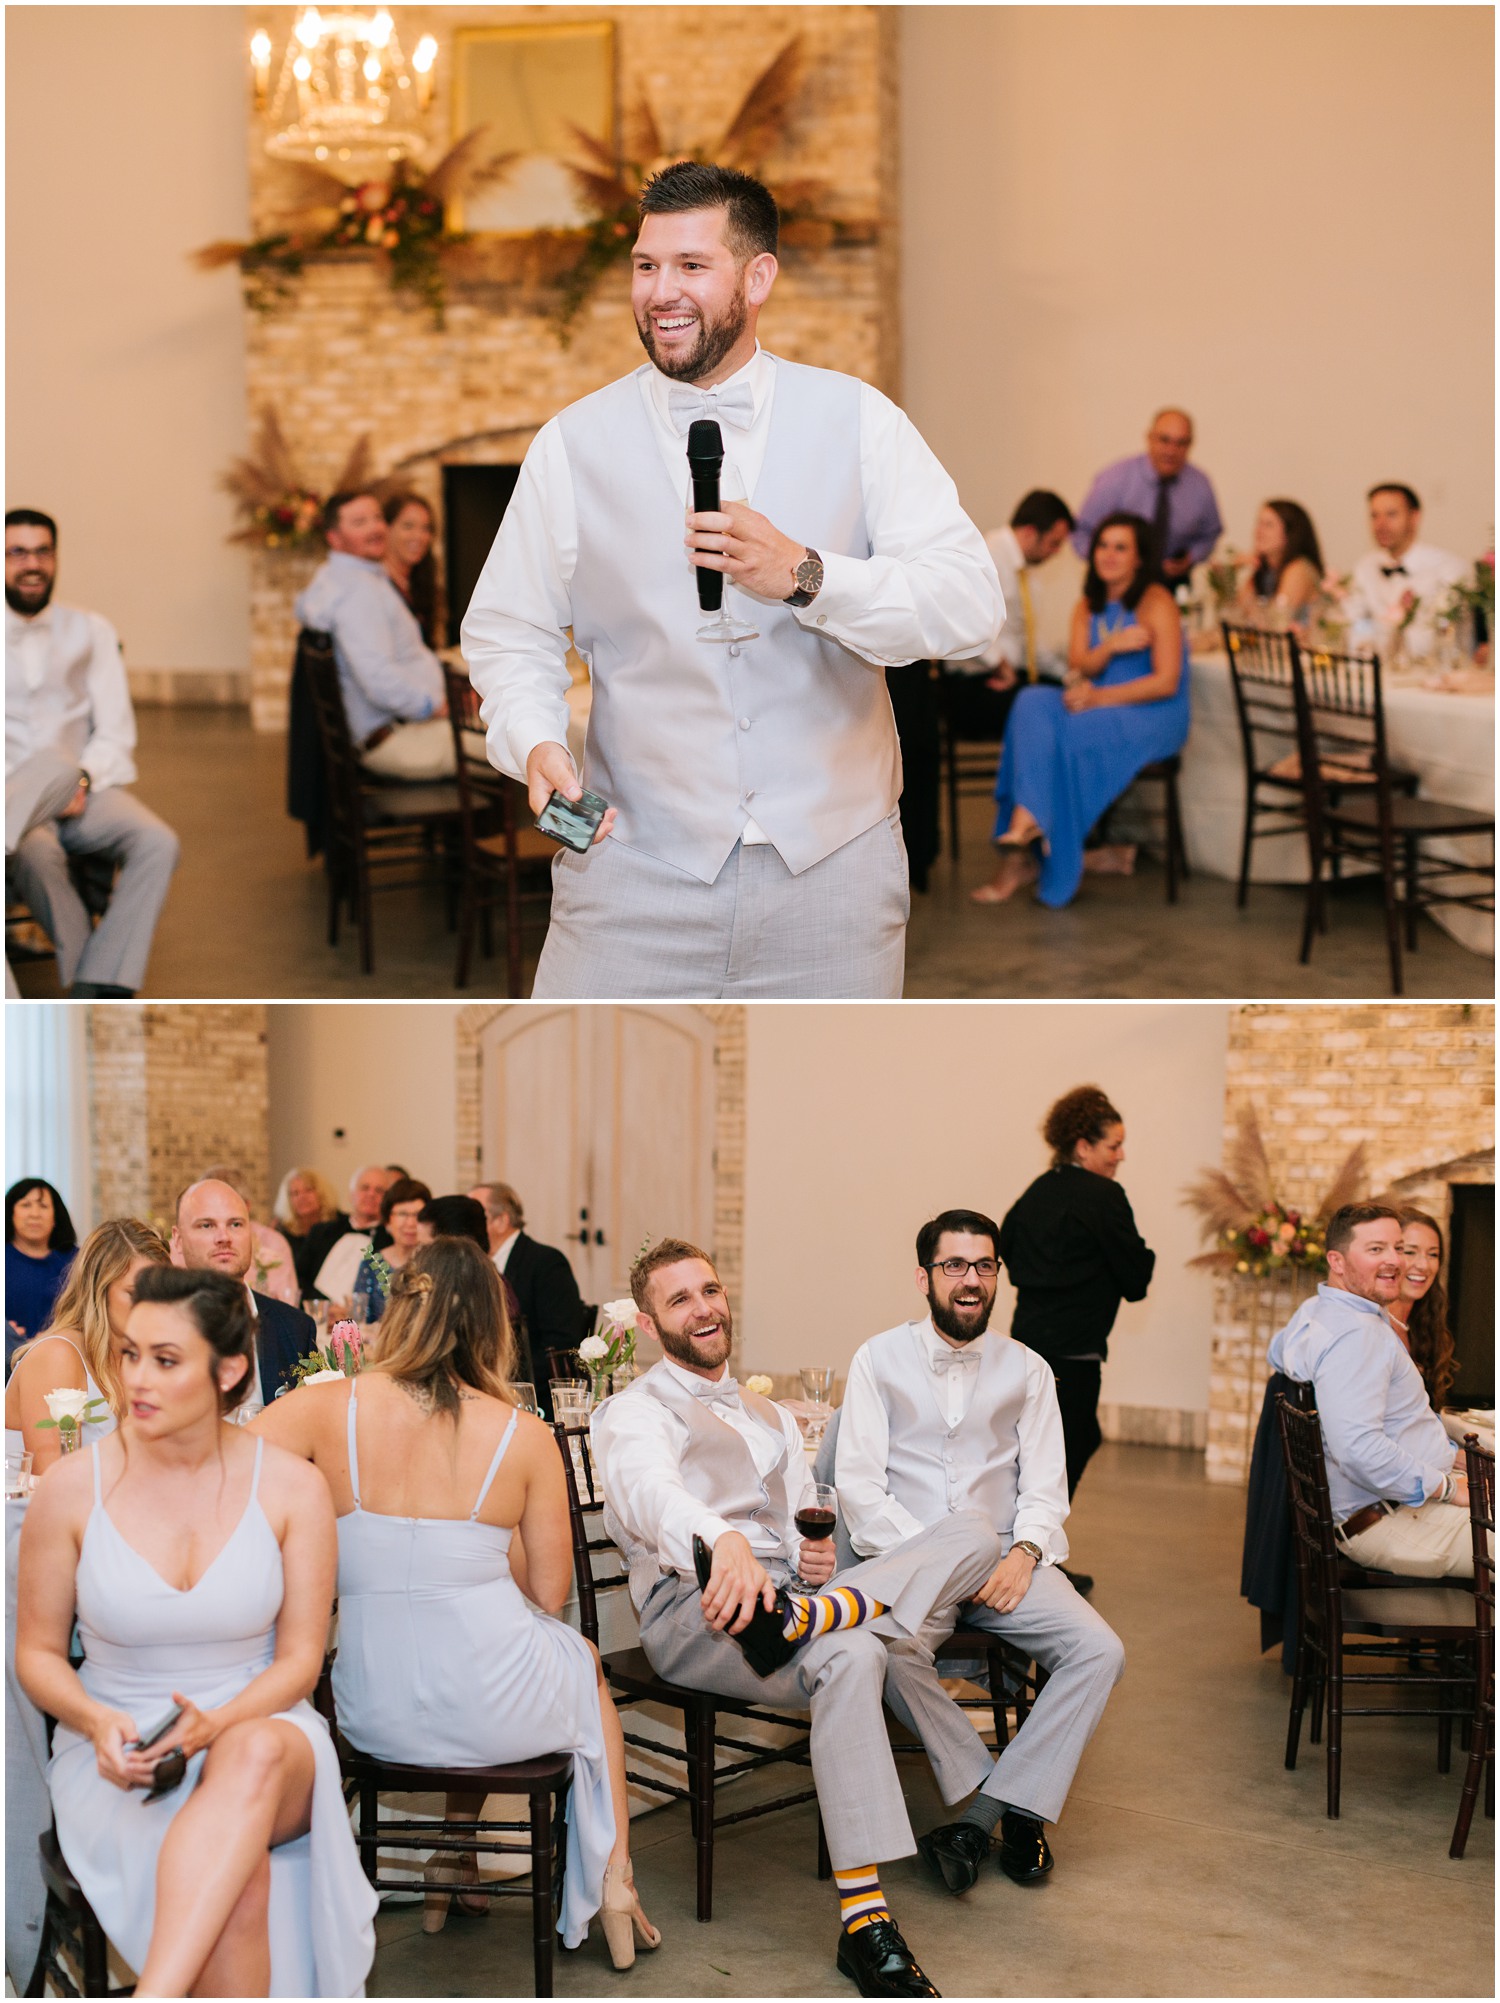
752,845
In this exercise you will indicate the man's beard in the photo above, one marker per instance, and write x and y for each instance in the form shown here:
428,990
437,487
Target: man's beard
31,601
946,1322
692,1356
715,339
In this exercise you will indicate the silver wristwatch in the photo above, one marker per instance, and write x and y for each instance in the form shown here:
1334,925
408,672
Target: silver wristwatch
807,580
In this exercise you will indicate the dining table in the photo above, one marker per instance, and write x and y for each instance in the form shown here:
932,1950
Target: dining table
1439,727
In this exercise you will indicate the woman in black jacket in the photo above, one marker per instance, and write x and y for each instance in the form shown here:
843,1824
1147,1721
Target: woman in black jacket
1073,1253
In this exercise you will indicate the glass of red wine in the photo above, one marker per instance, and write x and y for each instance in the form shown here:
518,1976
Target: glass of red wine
815,1517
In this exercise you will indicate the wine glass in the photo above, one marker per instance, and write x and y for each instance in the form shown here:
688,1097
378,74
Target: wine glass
815,1517
525,1395
722,629
817,1382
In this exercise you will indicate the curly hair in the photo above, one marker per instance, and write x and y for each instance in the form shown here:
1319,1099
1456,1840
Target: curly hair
1084,1114
1427,1328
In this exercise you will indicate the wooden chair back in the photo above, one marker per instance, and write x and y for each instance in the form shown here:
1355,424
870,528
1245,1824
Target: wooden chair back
598,1566
1480,1465
1261,674
315,659
1314,1543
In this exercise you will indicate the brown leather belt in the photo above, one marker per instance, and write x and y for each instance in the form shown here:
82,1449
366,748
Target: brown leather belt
1364,1519
377,737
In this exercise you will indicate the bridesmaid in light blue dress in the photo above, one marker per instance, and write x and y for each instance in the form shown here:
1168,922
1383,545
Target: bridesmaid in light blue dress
200,1563
1070,752
449,1651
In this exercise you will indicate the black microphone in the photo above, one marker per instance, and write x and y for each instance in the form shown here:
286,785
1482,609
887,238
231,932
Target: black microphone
705,451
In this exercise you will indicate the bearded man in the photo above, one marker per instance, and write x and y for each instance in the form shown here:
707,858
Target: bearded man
753,844
943,1416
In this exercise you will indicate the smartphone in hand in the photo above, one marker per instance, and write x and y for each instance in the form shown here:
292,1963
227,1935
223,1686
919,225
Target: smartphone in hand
574,823
158,1730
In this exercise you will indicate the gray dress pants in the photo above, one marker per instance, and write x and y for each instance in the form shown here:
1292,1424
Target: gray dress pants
840,1678
1084,1659
113,823
626,927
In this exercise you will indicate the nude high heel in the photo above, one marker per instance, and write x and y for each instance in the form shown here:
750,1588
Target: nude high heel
626,1927
453,1868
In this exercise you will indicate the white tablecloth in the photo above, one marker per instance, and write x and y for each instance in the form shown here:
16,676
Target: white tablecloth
1447,740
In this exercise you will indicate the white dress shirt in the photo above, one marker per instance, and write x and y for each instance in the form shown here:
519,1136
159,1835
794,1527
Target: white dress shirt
1010,643
912,599
501,1253
638,1456
66,690
336,1275
877,1522
1427,571
254,1399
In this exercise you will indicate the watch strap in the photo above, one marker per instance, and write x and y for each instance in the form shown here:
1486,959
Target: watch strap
811,567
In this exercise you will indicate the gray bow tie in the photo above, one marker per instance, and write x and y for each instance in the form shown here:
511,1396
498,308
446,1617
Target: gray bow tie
725,1391
686,403
969,1354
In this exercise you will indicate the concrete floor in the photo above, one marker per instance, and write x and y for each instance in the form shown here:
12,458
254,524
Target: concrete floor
246,913
1189,1862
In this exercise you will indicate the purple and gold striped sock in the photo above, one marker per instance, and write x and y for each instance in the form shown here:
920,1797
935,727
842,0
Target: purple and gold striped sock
810,1614
860,1897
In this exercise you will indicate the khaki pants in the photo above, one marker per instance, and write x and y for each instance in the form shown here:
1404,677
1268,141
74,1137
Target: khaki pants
413,751
1430,1542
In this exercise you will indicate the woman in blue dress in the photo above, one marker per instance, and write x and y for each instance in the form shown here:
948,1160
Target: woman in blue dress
1070,752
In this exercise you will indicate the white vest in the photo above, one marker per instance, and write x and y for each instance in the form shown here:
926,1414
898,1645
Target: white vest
717,1468
933,1468
690,739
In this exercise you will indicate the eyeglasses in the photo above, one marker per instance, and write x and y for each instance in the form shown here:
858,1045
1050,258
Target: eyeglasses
983,1269
20,555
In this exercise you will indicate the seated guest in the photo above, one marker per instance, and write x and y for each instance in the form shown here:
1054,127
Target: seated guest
1400,575
392,683
1286,564
450,1650
36,791
1159,485
273,1267
237,1874
335,1277
214,1233
1419,1313
408,559
1398,1501
1070,752
978,693
552,1312
400,1213
66,694
702,1481
308,1213
78,1347
40,1245
942,1415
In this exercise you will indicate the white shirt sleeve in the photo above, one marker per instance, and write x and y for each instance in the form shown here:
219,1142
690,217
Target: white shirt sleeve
106,756
515,633
636,1444
929,590
877,1522
1042,1473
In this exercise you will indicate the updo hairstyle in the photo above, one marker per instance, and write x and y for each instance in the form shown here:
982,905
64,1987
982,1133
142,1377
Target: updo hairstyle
1084,1114
217,1307
445,1325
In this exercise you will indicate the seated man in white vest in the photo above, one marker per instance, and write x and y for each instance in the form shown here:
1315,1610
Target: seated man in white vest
947,1415
753,845
702,1481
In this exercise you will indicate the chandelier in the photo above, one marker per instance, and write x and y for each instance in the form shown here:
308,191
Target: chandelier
346,97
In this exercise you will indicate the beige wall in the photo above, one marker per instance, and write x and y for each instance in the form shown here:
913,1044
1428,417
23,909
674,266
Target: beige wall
125,391
862,1122
1279,216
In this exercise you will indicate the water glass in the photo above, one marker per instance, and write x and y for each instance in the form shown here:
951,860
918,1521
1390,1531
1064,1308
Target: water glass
318,1310
570,1402
525,1395
359,1306
17,1477
817,1382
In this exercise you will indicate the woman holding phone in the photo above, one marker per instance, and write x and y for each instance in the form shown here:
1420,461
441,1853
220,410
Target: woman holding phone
200,1565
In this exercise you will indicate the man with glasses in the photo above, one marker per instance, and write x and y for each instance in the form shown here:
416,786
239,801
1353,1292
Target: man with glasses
946,1414
1160,486
67,705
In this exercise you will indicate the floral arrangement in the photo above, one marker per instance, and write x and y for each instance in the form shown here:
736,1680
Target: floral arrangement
612,1344
347,1348
278,509
1476,597
401,220
1223,575
760,1386
1255,1234
69,1412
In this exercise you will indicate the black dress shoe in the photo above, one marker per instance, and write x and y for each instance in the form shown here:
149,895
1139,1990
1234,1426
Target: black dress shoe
1023,1853
763,1643
955,1853
879,1963
1081,1582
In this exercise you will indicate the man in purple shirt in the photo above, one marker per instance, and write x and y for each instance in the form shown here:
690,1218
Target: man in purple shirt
1159,485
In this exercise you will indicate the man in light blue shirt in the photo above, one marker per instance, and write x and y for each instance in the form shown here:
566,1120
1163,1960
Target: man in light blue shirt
392,683
1163,489
1397,1499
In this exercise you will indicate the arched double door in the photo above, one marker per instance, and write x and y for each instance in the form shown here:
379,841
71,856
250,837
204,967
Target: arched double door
602,1119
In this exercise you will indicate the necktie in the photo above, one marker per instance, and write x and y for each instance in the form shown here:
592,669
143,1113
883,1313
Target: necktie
1395,570
1028,621
1161,522
686,403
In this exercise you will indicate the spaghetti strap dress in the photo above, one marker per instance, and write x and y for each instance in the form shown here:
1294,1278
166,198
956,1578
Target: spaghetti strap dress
443,1661
96,1429
143,1639
1065,769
